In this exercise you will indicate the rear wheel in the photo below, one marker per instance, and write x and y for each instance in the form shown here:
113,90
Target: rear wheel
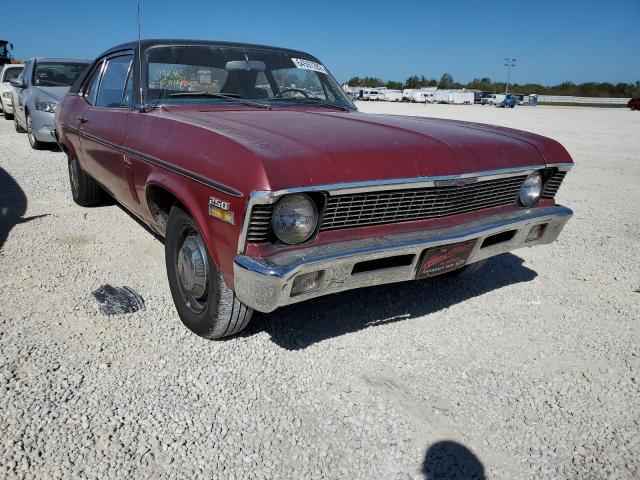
84,189
205,304
33,141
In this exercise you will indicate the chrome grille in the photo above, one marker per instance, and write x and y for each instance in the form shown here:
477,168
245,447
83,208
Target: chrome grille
260,223
553,184
376,208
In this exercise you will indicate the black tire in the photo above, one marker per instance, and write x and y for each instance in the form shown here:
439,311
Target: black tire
33,141
467,270
17,126
205,304
84,189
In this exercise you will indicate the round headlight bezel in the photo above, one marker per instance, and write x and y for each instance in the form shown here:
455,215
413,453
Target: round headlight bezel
531,190
308,232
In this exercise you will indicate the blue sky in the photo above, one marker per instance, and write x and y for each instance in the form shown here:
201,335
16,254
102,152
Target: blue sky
554,41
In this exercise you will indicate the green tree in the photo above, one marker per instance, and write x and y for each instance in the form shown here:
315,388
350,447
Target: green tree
446,81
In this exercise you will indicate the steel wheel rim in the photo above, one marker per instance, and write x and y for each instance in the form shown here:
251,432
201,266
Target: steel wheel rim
192,269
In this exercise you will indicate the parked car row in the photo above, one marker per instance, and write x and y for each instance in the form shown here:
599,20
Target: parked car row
435,95
33,92
267,184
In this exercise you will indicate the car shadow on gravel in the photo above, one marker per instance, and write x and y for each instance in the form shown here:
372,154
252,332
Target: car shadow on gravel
448,460
13,204
298,326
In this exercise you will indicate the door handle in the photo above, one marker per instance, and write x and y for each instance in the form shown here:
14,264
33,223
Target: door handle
83,119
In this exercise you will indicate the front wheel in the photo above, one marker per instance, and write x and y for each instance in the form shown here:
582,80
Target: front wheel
33,141
205,304
16,125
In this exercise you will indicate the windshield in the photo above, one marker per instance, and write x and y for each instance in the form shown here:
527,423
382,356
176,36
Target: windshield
11,74
57,74
208,74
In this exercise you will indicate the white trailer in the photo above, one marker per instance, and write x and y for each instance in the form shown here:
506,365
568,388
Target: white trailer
392,95
443,96
458,97
406,94
463,97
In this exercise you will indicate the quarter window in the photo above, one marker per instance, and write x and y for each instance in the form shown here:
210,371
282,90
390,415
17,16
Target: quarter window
111,89
92,90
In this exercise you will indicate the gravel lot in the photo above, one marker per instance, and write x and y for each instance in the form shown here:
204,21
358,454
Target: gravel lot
530,369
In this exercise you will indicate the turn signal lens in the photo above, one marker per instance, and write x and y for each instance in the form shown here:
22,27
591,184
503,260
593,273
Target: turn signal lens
221,214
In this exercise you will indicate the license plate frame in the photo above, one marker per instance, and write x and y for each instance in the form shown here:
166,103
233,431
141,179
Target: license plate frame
444,258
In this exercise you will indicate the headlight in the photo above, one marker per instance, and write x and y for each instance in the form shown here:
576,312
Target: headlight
6,94
294,218
46,106
531,189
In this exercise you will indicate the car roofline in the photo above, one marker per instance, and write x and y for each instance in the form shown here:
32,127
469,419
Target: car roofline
57,59
151,42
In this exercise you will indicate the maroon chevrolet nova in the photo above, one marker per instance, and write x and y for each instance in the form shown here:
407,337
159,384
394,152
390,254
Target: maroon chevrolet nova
270,188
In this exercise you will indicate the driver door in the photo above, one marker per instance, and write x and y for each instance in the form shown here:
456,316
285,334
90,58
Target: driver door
103,123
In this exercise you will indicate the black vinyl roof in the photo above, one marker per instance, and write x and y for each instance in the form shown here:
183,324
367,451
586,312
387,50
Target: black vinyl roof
151,42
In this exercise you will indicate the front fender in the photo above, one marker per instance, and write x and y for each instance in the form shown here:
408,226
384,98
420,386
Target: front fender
221,238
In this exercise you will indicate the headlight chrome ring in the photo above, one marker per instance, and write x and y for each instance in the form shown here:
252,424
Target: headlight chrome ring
531,190
295,218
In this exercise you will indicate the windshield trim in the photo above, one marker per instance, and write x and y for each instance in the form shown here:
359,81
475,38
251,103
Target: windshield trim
143,73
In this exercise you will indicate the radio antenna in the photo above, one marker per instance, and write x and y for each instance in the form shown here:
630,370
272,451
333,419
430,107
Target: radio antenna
142,109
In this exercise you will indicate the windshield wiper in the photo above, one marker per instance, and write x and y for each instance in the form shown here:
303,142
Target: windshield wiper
312,101
228,96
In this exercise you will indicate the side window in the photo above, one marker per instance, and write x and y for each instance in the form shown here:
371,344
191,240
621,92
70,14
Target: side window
111,89
92,89
127,98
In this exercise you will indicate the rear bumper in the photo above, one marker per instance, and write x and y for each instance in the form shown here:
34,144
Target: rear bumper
266,284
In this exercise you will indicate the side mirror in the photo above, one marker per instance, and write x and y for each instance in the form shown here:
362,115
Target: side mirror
17,83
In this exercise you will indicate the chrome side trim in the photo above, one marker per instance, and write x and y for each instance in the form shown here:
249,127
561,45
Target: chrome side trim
265,283
263,197
156,161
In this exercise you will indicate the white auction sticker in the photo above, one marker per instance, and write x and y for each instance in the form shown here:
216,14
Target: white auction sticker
309,65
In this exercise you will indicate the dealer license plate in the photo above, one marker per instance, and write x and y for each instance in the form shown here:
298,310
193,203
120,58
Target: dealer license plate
444,258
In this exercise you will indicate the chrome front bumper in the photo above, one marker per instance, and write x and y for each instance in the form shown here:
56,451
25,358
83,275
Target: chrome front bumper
265,284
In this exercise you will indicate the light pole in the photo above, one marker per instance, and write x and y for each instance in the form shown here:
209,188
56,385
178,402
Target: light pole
509,62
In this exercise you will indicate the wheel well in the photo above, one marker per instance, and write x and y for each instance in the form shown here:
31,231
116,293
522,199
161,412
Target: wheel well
160,202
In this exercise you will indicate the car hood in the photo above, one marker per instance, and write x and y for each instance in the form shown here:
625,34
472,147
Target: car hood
51,93
302,147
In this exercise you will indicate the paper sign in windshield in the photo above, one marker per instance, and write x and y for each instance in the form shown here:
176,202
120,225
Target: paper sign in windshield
309,65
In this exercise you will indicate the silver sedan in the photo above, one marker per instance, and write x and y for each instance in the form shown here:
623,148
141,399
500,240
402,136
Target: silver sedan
37,92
